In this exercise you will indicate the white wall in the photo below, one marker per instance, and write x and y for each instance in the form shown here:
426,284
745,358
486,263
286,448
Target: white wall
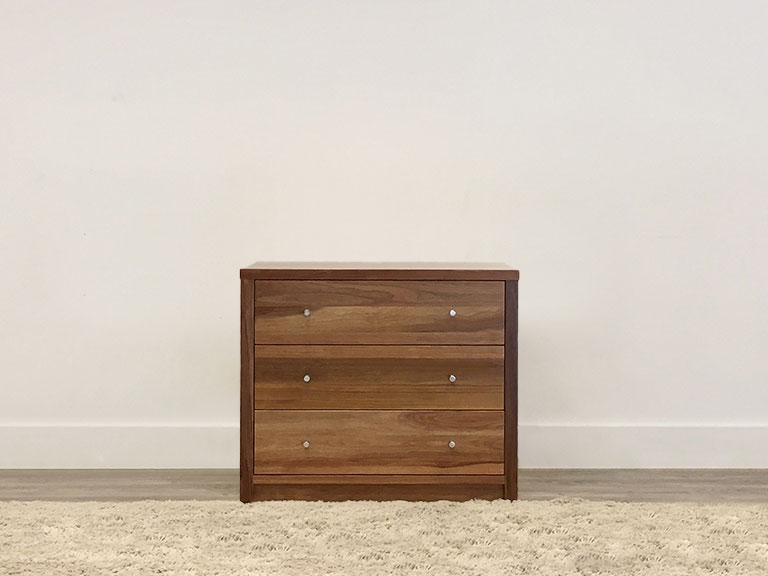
614,151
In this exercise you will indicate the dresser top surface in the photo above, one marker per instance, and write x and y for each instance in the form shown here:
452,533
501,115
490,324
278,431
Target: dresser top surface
378,271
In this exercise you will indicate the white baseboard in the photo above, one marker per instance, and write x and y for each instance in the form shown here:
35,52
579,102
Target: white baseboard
648,446
119,446
541,446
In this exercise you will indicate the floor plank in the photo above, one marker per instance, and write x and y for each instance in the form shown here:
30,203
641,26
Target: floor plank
119,485
647,485
621,485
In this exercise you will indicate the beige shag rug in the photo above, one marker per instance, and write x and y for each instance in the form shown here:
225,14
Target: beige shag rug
561,537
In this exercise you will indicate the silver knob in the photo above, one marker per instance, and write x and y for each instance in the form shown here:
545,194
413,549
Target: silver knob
452,313
306,378
306,444
451,444
306,311
452,378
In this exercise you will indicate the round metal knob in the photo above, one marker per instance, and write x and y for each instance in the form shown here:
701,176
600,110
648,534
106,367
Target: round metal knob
451,444
452,313
306,444
306,378
306,311
452,378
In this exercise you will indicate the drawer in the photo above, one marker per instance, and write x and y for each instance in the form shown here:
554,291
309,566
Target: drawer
379,377
378,442
378,312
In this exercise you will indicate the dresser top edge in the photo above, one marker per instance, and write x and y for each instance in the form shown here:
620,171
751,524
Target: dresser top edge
378,271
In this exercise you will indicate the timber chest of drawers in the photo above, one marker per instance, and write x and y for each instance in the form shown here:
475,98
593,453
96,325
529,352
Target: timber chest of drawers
378,381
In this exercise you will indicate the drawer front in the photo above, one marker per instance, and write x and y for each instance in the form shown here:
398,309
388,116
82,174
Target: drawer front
378,442
378,312
379,377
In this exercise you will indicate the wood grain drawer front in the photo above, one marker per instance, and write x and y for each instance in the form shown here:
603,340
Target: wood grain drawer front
379,377
378,312
378,442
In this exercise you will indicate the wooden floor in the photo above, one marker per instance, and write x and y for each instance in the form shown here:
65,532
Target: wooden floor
621,485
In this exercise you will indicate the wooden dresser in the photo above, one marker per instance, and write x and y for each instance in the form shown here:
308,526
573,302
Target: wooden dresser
378,381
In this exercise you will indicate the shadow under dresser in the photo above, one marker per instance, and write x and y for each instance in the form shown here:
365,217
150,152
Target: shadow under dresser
378,381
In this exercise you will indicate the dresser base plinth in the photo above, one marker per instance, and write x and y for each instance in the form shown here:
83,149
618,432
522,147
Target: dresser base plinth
355,489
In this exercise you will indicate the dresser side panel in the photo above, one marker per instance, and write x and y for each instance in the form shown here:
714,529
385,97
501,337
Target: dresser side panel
246,389
510,390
